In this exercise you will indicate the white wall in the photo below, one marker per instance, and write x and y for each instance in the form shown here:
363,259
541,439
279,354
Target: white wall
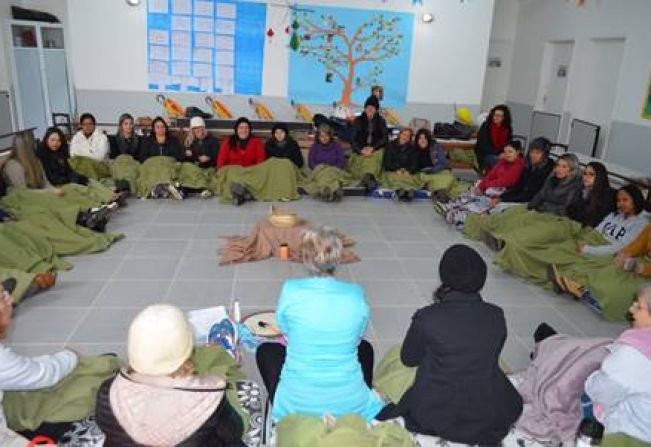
5,45
108,47
502,38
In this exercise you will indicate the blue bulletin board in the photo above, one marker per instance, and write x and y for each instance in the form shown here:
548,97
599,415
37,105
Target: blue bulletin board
206,46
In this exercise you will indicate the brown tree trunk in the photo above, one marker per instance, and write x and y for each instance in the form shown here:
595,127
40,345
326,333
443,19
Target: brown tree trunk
346,94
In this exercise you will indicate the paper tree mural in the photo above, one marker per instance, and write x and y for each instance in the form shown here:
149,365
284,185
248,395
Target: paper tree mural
352,51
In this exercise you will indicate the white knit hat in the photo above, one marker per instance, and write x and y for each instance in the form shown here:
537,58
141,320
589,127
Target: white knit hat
160,340
197,121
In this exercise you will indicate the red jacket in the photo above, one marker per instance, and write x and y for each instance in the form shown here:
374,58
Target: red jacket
503,174
252,154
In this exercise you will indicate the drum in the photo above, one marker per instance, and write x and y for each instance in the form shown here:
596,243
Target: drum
263,324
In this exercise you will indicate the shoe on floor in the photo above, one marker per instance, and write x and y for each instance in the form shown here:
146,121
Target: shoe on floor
237,191
338,195
160,191
175,192
491,241
326,194
206,194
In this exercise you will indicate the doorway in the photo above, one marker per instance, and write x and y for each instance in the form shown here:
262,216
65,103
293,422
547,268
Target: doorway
552,88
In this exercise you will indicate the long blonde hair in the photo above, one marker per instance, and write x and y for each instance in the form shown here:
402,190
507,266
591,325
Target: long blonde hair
24,153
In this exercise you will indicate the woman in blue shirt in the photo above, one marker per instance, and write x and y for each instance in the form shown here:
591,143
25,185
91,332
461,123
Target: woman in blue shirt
326,367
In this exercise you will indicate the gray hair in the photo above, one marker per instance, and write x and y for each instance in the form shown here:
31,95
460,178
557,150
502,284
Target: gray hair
325,128
572,160
321,249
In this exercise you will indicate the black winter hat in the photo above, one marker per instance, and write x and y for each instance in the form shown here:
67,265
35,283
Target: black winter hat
372,101
462,269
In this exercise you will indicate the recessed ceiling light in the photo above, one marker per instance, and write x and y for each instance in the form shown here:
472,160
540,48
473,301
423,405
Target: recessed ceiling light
133,2
427,17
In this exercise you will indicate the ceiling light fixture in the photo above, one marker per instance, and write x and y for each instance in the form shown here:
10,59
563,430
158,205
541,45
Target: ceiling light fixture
133,2
427,17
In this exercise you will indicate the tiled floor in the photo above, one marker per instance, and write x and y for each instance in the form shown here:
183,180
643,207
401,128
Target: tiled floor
169,255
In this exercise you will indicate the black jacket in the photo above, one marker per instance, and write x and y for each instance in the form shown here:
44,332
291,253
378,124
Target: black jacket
556,196
121,146
531,181
208,146
379,132
151,148
580,210
400,157
460,393
56,167
223,429
288,150
484,145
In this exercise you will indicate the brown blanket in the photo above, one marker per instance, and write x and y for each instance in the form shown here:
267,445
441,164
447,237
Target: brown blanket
265,239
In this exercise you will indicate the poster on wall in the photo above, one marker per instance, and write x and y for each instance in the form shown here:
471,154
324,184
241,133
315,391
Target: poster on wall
205,46
339,53
646,109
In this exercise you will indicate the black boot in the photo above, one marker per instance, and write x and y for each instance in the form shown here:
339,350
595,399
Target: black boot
542,332
238,191
337,195
409,195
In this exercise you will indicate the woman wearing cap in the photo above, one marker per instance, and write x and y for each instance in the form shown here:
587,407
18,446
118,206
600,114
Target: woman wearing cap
282,145
244,175
201,147
158,400
460,393
371,135
327,368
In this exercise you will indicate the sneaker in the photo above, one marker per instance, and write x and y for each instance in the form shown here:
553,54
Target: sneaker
409,196
93,218
237,191
326,194
160,191
338,195
206,194
175,192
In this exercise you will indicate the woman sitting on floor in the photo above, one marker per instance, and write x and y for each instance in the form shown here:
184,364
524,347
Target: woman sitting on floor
201,147
433,166
326,160
537,168
125,141
561,189
371,135
327,367
597,199
89,141
400,163
505,174
243,173
159,400
459,393
494,134
282,145
18,373
160,142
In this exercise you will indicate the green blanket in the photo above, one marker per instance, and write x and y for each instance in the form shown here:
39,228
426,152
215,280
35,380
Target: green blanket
21,201
391,378
358,165
153,171
622,440
125,167
89,167
441,181
70,400
325,176
34,254
192,176
349,430
275,179
395,181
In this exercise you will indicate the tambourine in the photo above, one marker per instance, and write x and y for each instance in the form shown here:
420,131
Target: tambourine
263,324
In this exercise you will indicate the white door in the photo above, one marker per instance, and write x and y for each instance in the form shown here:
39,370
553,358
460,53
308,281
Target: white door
599,83
552,89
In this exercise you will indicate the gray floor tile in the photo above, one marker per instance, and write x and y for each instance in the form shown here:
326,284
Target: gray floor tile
200,294
36,349
182,216
218,232
158,249
589,322
169,231
522,321
44,325
515,354
420,249
369,249
147,269
109,326
198,248
91,269
421,269
271,269
391,322
253,293
404,234
203,268
513,293
92,349
387,269
136,294
394,221
391,293
66,294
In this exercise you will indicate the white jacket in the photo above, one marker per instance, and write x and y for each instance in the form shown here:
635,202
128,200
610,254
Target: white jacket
95,147
622,388
18,373
618,231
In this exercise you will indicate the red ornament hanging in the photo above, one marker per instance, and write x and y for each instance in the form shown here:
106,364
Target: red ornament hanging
287,29
270,33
